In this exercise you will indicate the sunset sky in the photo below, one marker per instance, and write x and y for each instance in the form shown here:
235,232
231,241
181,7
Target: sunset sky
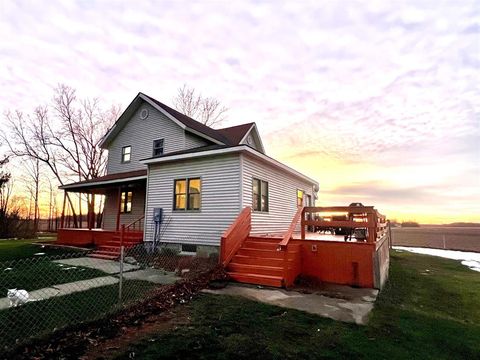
377,100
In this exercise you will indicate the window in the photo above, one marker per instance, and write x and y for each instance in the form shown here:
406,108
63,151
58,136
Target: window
187,194
158,147
126,152
260,195
126,202
300,194
188,249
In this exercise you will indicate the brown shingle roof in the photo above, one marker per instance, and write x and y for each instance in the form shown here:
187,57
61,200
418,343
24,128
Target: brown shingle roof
235,134
229,136
109,177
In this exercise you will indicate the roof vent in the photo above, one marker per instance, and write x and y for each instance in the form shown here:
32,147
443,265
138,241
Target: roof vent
144,114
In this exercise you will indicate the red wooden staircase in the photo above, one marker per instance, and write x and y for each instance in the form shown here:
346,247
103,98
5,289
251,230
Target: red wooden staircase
259,260
129,236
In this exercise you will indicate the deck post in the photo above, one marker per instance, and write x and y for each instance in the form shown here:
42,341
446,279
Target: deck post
302,224
119,204
62,221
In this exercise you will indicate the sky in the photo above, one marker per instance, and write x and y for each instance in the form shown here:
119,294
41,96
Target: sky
379,101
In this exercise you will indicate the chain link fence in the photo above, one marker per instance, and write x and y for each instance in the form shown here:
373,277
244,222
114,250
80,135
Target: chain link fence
45,293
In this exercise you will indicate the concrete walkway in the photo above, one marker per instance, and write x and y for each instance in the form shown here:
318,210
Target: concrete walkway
344,303
107,266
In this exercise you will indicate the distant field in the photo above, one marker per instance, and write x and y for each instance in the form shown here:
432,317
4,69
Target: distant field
452,238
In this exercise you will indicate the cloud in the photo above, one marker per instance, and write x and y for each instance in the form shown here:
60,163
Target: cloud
370,82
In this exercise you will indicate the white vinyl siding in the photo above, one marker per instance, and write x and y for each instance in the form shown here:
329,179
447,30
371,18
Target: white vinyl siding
220,199
193,141
140,134
110,208
282,195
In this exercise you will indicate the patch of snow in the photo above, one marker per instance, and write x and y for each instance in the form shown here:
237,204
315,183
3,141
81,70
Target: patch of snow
69,268
469,259
39,254
7,269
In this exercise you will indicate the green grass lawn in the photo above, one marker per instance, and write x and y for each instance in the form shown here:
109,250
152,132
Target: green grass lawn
41,317
19,249
21,269
420,314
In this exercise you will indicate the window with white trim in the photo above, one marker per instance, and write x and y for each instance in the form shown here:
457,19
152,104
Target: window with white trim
126,154
187,194
158,147
260,195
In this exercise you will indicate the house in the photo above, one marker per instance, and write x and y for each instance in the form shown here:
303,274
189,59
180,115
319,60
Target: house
175,181
200,177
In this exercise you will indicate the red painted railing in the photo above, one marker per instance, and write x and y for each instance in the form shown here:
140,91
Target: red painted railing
136,225
234,237
289,234
292,257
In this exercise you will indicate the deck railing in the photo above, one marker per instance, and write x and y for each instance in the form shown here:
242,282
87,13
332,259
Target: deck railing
234,237
292,261
365,217
289,234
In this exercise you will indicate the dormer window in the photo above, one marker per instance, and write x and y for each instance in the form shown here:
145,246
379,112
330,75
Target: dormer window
126,153
158,147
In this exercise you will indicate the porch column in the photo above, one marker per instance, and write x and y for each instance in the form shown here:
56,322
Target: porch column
92,223
89,212
119,204
62,221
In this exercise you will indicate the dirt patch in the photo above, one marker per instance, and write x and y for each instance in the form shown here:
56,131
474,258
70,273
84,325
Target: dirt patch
153,325
75,341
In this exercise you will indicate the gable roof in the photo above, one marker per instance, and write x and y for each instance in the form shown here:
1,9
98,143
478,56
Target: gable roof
227,136
235,134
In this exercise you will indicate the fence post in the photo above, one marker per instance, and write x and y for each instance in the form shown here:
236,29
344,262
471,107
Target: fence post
120,283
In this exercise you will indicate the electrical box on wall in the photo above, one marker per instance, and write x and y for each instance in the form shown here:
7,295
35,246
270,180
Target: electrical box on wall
157,215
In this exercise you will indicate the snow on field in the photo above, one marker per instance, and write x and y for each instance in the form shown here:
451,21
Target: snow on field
470,259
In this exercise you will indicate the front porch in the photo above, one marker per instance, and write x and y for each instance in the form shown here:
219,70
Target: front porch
115,213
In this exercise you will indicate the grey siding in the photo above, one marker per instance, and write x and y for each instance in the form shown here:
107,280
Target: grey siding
193,141
220,199
282,195
139,134
110,208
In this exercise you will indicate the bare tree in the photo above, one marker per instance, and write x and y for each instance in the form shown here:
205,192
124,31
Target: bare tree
207,110
64,136
32,181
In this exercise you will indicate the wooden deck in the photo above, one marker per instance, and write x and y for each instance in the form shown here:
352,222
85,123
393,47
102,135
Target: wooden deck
277,259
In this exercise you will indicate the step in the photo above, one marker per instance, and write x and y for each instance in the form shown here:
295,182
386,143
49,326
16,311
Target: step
265,280
270,240
102,256
109,248
262,245
255,269
117,243
270,254
249,260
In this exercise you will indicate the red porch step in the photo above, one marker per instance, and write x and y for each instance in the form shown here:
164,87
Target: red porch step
110,250
258,262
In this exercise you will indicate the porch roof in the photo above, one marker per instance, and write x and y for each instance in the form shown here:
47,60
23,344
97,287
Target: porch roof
106,181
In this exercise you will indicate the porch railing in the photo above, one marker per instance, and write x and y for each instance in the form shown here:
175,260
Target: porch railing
234,237
136,225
